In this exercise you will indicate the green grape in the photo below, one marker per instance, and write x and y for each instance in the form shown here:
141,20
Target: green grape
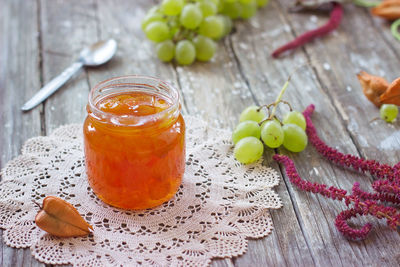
220,6
245,129
212,26
233,10
228,24
248,10
173,31
246,2
157,31
185,52
295,117
165,50
154,9
172,7
272,133
251,114
208,7
174,26
205,47
388,112
191,16
151,17
275,119
261,3
248,150
173,22
295,139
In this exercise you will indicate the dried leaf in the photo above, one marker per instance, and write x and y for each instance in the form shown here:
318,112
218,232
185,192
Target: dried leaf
373,86
60,218
392,94
389,9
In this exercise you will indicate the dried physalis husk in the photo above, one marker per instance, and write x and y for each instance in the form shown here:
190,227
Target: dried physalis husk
389,9
59,218
373,86
392,94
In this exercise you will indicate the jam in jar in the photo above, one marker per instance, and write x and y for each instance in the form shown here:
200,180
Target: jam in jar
134,140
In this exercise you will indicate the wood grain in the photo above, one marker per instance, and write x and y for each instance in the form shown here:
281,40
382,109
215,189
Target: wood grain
253,54
75,22
242,73
350,51
19,78
336,75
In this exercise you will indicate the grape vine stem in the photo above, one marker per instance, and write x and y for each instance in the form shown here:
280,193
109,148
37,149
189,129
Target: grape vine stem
285,86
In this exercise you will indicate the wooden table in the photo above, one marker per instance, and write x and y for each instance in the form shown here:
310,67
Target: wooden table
38,39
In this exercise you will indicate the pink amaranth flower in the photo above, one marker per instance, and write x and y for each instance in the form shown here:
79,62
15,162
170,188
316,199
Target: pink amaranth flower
346,230
384,197
387,189
381,171
384,186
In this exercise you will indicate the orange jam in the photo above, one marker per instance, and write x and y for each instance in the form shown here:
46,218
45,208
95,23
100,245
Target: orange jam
134,139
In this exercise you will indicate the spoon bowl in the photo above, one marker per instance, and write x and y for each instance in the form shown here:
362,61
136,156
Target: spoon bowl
98,53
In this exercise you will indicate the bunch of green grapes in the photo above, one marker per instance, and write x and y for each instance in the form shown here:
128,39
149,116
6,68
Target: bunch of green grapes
256,129
186,30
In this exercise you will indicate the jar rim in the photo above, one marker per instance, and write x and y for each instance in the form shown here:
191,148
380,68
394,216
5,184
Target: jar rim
174,97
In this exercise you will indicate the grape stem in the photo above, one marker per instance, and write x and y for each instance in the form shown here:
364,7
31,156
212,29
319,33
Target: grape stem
182,34
279,98
270,105
269,113
287,103
285,86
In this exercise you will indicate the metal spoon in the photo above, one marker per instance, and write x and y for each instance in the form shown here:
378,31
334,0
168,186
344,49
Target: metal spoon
94,55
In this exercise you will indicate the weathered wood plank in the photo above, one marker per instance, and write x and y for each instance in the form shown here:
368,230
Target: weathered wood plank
357,45
349,52
382,28
67,27
316,215
219,91
265,78
19,78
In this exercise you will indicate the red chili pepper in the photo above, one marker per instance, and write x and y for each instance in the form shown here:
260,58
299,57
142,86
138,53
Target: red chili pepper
332,24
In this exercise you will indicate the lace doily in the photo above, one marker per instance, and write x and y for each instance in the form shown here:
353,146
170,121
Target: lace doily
219,205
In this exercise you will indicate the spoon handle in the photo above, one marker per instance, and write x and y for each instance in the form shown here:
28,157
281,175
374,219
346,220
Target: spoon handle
52,86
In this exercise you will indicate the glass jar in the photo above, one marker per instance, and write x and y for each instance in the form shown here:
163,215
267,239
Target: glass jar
134,141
